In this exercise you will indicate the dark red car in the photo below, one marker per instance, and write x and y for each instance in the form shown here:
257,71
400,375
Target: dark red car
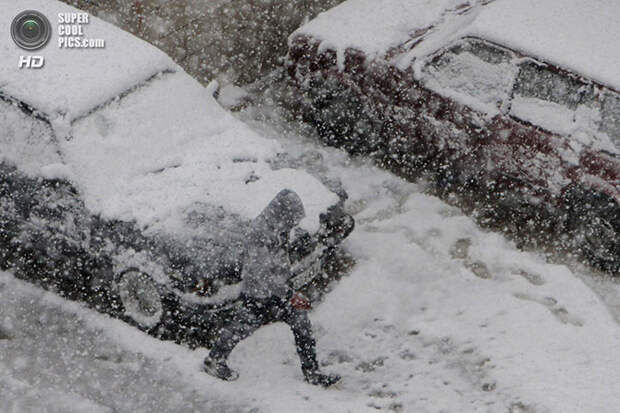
514,106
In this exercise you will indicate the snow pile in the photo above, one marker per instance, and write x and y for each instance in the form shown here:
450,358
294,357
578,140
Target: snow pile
63,358
23,397
74,80
499,321
168,145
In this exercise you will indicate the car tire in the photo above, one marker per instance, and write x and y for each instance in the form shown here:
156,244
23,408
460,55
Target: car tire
140,298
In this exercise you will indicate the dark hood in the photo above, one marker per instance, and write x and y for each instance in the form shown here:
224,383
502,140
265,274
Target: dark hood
283,213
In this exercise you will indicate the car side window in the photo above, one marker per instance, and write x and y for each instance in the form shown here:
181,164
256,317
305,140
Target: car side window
25,140
473,72
566,104
610,116
547,97
543,83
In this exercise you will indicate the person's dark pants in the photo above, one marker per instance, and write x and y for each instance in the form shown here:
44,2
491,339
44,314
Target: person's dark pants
256,313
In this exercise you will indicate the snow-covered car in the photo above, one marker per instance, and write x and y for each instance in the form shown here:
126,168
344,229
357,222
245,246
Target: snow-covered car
123,183
513,105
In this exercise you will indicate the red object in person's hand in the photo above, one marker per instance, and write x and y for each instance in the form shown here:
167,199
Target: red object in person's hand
299,302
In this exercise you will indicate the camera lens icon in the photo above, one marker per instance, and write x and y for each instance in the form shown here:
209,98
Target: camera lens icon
31,30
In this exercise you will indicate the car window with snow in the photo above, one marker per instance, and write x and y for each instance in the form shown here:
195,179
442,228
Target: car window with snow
473,72
543,83
546,98
596,119
610,117
563,103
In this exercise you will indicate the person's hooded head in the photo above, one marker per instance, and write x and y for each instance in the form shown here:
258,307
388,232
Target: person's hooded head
283,213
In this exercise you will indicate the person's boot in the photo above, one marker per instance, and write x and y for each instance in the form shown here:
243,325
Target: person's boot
317,378
218,368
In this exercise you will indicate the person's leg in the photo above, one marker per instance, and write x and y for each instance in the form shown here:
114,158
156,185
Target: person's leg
305,344
244,323
300,324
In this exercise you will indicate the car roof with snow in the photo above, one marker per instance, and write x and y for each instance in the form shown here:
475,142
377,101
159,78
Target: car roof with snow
580,36
74,81
145,140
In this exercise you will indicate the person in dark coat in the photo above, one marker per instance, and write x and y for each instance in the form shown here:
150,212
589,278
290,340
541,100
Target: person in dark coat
265,294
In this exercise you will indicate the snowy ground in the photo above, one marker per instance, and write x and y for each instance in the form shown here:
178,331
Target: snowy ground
437,316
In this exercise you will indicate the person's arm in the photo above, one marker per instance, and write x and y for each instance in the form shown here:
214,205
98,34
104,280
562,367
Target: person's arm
268,269
297,299
282,273
266,272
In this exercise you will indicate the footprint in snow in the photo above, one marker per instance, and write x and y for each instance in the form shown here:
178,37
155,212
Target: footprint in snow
532,278
383,398
519,407
372,365
460,251
337,357
479,269
551,303
4,334
383,394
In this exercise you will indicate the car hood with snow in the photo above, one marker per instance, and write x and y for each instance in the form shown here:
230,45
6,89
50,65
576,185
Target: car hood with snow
168,145
139,138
